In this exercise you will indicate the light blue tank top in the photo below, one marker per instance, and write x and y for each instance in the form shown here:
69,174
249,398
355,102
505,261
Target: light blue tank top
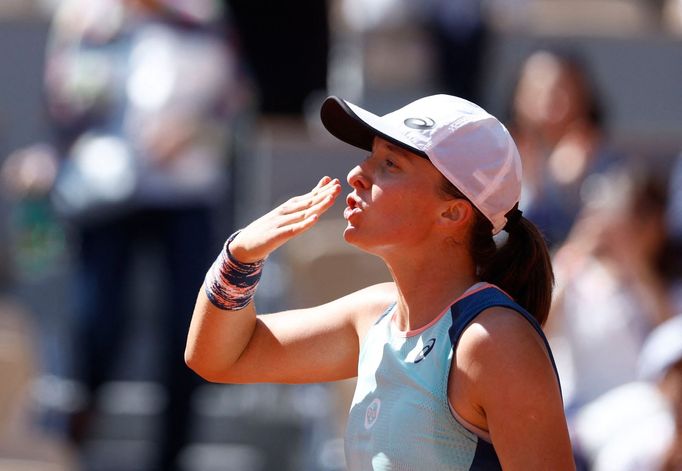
400,418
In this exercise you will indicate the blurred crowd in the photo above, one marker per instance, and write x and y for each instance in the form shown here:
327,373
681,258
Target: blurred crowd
110,218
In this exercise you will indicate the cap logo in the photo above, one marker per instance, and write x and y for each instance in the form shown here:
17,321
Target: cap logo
419,123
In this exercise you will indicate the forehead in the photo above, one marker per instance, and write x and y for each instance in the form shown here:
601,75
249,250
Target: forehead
382,144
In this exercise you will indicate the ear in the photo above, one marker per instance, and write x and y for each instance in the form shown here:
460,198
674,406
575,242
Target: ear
457,213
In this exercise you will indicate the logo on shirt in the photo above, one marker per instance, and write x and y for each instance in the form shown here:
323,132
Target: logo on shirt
425,351
419,123
372,413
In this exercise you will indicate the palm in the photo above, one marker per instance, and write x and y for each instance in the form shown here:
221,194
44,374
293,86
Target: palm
260,238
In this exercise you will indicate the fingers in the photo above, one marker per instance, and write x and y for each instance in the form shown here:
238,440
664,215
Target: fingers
325,188
302,212
318,206
323,181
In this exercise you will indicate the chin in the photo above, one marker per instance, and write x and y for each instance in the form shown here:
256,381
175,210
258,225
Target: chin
353,236
350,234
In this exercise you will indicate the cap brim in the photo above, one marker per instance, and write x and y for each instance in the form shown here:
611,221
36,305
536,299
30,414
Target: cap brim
358,127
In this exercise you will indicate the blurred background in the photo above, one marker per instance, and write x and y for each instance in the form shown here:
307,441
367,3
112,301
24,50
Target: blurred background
136,135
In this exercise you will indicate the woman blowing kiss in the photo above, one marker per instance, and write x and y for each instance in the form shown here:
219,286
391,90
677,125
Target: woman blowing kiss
454,372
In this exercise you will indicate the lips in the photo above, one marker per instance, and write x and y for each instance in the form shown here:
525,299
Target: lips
353,206
349,213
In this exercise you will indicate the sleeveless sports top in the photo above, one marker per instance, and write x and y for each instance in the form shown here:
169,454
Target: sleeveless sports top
400,417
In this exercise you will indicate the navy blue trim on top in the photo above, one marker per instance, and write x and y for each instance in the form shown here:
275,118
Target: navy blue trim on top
466,309
485,458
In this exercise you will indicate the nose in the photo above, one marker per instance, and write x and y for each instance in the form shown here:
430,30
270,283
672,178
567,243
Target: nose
357,178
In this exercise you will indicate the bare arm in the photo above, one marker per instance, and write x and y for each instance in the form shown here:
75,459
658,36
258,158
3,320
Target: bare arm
503,382
297,346
306,345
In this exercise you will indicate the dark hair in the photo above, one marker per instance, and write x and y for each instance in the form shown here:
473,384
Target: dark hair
521,266
575,63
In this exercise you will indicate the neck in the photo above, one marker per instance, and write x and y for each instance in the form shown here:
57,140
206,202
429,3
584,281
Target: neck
428,281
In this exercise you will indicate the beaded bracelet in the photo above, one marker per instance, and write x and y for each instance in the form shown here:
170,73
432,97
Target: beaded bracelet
229,283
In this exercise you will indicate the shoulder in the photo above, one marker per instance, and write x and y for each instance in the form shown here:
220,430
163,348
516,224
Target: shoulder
500,331
499,327
500,345
387,289
367,304
371,297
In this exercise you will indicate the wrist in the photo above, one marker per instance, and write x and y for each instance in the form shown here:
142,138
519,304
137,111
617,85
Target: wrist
230,284
238,253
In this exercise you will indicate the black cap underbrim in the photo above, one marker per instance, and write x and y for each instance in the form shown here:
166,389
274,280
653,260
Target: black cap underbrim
340,120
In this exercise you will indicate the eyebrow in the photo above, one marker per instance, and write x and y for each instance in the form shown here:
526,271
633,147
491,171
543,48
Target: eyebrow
397,150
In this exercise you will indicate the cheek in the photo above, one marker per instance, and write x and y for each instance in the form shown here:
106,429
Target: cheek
408,207
392,198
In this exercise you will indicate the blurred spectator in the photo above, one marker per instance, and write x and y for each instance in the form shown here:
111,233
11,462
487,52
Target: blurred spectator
286,45
557,122
141,95
672,16
638,426
36,237
610,292
661,361
438,43
460,34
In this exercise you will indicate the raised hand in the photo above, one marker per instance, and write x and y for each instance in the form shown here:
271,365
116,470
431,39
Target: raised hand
257,240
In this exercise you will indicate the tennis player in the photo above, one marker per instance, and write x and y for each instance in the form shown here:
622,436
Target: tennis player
453,370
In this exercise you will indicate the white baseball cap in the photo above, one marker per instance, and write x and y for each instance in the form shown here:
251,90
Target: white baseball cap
662,349
469,146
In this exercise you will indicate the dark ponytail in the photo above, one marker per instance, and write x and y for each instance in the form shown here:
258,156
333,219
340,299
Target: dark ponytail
520,266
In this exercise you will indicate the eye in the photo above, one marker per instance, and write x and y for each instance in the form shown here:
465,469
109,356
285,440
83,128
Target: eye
389,163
